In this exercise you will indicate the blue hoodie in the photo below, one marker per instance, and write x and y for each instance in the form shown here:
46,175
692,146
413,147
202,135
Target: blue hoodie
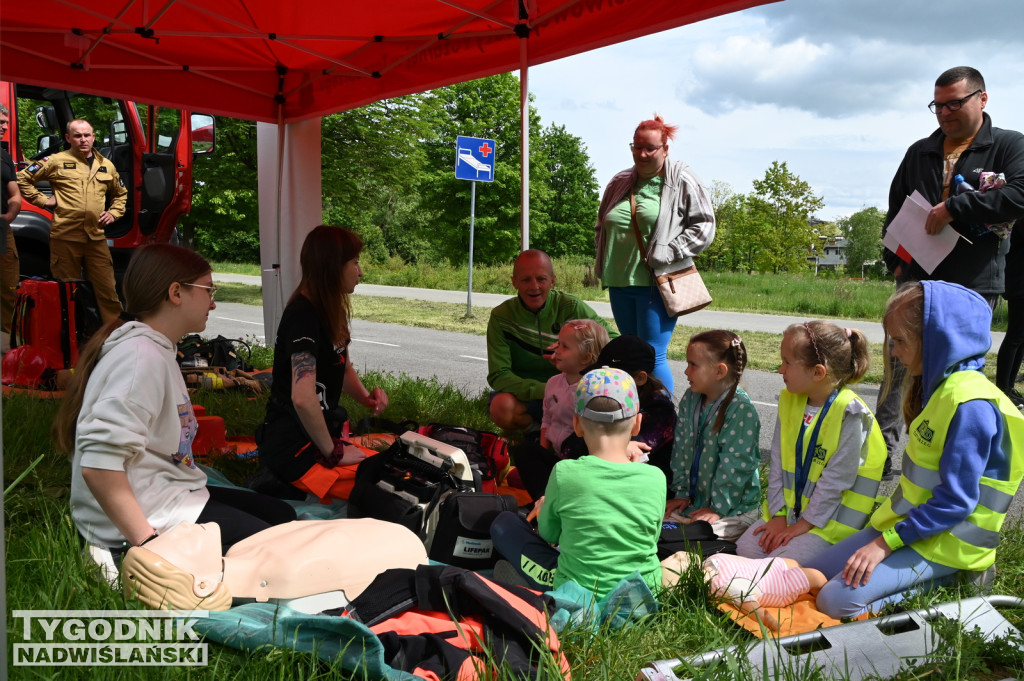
955,337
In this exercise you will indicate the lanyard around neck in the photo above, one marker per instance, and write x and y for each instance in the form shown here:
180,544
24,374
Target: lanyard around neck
805,457
698,435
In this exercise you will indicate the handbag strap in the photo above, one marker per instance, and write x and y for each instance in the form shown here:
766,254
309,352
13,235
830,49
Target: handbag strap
636,227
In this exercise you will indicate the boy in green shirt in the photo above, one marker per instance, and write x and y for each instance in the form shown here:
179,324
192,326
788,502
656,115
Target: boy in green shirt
603,511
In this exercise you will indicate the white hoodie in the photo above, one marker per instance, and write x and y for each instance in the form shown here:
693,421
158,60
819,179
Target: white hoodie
136,416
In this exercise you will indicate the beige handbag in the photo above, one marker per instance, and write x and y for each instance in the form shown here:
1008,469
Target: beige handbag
682,291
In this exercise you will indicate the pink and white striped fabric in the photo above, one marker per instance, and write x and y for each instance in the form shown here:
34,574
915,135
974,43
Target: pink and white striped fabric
776,583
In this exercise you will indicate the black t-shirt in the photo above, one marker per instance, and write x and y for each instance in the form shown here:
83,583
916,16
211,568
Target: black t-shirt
7,175
284,445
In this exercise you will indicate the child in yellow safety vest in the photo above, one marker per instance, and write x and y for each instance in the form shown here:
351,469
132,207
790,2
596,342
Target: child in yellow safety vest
961,468
827,452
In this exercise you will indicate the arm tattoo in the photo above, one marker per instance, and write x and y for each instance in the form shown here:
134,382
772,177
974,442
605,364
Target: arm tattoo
303,364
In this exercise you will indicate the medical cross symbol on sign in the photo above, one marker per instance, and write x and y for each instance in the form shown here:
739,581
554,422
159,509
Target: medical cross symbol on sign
474,159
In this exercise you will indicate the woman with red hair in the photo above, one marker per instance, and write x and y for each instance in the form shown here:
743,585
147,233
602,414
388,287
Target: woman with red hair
673,212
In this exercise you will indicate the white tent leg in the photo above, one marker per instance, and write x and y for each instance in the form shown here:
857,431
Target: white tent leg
524,139
291,205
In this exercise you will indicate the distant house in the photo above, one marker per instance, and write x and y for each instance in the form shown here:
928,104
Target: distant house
830,253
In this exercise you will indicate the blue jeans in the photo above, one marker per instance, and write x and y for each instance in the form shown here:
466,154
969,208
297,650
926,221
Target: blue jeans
903,571
639,310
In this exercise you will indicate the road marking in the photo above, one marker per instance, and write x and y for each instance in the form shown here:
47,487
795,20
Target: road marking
240,321
482,359
390,345
765,404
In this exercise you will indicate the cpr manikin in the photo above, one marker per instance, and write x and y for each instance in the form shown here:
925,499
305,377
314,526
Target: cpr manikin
309,565
752,585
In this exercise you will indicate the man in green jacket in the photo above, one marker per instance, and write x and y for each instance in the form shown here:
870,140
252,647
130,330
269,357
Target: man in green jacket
519,333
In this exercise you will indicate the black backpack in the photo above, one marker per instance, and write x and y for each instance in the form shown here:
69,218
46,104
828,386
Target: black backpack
696,537
195,352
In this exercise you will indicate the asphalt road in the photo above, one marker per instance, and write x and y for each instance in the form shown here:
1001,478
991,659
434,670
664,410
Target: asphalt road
461,359
713,319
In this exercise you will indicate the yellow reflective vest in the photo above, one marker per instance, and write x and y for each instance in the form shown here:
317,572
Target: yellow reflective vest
857,502
971,544
81,190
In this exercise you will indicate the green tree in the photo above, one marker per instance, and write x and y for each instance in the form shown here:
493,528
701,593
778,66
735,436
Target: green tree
718,254
863,232
224,221
573,184
487,108
744,234
782,205
388,173
372,166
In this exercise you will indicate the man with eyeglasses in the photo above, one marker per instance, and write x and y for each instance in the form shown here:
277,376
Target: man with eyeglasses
966,143
83,183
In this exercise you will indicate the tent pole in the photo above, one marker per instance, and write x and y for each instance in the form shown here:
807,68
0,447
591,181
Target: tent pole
279,306
3,564
524,139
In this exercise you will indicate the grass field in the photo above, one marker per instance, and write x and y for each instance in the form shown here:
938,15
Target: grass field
792,295
46,569
762,347
801,295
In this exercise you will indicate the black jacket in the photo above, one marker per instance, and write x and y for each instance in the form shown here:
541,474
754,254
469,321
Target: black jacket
977,265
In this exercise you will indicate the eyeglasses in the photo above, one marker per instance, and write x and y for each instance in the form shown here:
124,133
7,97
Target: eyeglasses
212,290
641,147
951,105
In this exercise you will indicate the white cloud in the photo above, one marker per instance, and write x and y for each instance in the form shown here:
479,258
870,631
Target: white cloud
833,56
836,88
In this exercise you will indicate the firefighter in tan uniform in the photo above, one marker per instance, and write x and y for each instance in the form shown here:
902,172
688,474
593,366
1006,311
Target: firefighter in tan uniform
81,180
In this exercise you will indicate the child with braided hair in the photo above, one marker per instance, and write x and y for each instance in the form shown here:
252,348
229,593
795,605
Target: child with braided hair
715,453
827,452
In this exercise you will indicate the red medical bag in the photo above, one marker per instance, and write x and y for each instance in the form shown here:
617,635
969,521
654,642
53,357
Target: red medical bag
47,317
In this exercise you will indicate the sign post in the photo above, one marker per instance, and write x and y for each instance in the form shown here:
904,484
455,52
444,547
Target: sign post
474,160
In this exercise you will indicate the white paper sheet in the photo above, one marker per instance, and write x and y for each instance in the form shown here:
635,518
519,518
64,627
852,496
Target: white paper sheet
907,230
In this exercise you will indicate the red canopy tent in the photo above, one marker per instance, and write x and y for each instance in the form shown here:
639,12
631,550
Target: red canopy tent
244,58
288,63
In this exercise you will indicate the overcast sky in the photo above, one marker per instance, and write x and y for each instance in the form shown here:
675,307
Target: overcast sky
836,88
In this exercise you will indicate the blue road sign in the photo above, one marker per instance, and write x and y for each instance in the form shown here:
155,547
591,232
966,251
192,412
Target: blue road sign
474,159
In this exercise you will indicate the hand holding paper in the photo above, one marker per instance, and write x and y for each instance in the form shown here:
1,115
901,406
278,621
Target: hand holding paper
907,238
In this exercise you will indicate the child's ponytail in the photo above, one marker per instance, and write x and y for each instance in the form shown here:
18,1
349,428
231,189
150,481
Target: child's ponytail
860,358
843,352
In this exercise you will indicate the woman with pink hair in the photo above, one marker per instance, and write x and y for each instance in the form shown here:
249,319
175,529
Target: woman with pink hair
672,210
